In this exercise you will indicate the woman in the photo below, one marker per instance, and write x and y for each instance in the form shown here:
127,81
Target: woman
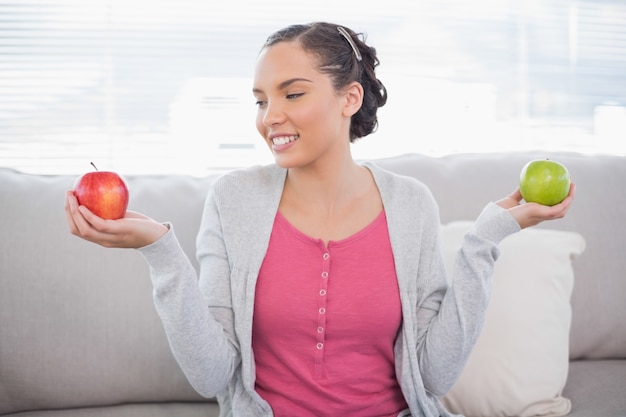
322,289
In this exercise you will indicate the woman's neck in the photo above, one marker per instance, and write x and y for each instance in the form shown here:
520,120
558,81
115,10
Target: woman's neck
329,187
330,204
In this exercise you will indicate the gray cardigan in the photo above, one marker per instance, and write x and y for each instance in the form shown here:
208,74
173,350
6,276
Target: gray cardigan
209,326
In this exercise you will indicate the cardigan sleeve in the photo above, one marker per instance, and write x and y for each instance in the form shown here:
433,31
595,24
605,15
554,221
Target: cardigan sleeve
451,317
197,334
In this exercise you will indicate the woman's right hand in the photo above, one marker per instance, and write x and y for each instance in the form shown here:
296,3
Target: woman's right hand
134,230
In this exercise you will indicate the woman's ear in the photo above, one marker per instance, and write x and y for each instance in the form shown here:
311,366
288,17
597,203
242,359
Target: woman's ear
353,94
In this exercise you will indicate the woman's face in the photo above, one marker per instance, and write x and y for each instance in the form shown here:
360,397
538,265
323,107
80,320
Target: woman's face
300,115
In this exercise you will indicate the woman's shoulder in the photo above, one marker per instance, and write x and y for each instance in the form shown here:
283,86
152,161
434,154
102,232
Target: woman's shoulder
252,173
408,202
254,179
395,182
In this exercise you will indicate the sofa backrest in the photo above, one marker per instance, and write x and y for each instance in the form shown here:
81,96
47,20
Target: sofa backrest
77,324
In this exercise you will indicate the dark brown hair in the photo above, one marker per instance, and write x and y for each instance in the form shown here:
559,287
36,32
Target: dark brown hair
337,58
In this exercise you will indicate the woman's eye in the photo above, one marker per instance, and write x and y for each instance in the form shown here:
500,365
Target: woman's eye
260,103
294,96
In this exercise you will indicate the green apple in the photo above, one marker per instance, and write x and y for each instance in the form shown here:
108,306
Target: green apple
544,181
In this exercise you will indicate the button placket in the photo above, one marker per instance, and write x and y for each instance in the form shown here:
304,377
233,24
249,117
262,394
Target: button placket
322,313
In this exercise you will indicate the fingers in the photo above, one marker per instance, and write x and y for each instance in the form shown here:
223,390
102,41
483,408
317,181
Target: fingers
69,201
76,221
77,218
561,209
572,190
516,195
133,231
531,214
83,223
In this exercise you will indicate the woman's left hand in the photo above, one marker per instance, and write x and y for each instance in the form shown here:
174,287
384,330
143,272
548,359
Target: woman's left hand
531,214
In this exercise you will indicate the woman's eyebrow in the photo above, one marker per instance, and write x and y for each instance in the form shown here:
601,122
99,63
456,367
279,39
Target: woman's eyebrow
290,81
285,84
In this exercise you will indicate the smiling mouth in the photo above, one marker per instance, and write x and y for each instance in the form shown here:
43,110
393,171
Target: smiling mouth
283,140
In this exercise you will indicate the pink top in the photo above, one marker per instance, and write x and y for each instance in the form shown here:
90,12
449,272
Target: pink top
325,322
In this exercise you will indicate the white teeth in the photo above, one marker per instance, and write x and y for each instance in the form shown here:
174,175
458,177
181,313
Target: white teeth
282,140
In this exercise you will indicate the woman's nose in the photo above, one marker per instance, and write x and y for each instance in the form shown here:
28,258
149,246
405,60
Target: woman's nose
273,114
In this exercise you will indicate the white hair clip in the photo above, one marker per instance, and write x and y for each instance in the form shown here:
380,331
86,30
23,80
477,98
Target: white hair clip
346,35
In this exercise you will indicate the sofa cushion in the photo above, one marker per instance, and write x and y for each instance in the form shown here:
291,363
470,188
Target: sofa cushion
596,388
132,410
520,363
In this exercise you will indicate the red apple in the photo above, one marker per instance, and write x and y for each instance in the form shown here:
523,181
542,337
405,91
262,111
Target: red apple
545,182
105,193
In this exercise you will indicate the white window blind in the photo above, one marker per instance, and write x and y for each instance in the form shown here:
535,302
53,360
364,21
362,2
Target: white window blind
155,86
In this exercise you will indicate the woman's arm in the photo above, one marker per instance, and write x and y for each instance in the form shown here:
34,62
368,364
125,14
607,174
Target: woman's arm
450,319
197,340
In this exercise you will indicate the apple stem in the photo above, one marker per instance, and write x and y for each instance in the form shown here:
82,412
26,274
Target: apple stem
94,166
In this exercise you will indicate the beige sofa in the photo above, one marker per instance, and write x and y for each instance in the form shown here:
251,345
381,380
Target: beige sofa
79,335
